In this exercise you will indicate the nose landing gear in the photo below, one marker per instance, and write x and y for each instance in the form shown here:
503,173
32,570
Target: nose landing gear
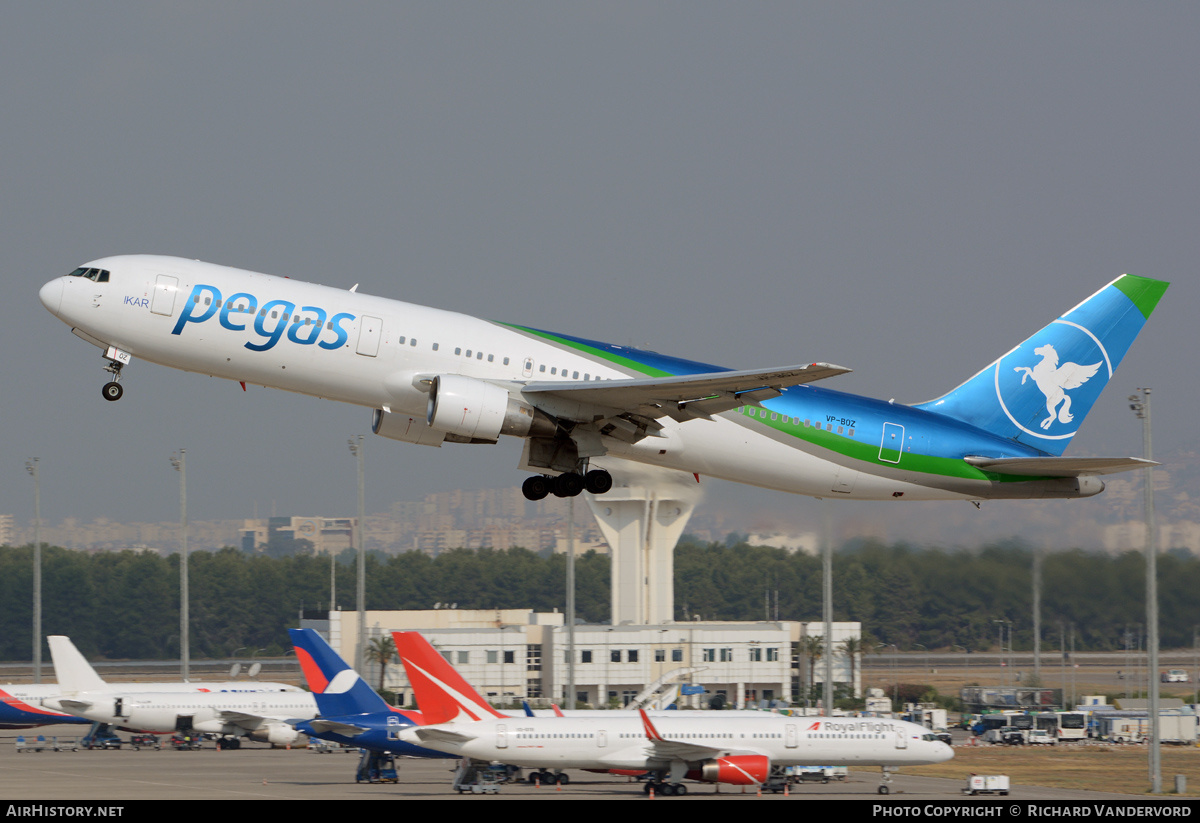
117,360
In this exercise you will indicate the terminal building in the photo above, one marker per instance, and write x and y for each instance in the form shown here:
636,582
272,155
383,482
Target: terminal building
513,655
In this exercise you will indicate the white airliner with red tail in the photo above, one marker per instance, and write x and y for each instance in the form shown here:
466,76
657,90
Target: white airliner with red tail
737,748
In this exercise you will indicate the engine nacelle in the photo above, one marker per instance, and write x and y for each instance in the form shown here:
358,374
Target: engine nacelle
737,770
472,410
399,426
277,734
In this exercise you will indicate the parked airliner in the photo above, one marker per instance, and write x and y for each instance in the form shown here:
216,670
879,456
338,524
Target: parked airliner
735,747
432,376
23,706
259,711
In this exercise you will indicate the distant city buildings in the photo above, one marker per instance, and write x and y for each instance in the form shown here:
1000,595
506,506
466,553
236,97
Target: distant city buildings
503,518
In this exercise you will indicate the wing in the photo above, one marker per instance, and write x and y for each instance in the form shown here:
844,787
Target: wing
661,748
682,398
1059,466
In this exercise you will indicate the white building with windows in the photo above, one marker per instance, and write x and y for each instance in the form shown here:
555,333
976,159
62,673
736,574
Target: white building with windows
513,655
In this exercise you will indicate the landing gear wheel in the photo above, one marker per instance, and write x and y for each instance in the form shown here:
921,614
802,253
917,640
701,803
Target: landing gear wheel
597,481
112,391
884,790
667,790
562,778
536,487
680,789
569,484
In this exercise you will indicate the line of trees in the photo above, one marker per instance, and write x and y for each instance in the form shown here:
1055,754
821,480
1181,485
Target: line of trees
119,605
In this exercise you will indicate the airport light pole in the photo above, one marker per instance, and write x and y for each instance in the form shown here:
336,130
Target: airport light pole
1140,403
31,466
827,604
570,695
356,448
179,461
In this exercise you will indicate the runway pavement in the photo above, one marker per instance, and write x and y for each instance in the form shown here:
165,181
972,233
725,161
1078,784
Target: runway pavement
257,772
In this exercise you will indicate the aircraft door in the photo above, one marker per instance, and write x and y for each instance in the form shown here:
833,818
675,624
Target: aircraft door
163,301
527,367
791,738
370,329
892,444
601,738
901,740
119,707
501,736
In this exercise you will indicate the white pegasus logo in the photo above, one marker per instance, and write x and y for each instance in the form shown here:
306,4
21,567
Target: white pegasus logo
1053,380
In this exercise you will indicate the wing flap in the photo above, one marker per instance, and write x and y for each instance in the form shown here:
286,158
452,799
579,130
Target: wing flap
1059,466
684,396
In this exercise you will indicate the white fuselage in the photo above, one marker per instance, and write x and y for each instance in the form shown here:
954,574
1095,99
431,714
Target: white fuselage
233,713
620,741
433,376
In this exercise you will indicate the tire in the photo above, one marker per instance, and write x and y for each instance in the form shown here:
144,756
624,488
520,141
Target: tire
569,484
112,391
536,487
884,790
597,481
563,779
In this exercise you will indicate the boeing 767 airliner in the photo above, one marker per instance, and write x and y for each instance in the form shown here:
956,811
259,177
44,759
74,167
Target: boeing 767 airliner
432,376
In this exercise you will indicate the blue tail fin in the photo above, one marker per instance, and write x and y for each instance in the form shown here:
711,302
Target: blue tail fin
337,688
1039,392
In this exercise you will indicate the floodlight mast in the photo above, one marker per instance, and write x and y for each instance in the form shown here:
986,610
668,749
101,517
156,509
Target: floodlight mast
31,466
179,461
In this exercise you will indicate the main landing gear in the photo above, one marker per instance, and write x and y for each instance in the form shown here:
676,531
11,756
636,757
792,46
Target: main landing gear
665,789
569,484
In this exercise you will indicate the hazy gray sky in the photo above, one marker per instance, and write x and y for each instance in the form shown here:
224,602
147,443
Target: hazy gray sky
907,189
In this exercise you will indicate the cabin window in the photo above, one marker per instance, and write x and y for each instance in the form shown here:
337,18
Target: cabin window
401,340
435,346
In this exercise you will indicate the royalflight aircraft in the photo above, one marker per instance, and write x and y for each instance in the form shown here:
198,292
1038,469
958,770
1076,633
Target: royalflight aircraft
432,376
743,748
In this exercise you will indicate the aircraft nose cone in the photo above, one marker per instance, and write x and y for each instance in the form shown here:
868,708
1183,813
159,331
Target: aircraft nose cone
51,295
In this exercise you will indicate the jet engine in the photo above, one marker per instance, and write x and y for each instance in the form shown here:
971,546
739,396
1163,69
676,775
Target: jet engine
277,734
473,411
737,770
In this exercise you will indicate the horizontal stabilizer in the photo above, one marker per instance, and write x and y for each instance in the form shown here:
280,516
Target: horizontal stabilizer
334,727
1059,466
71,705
443,735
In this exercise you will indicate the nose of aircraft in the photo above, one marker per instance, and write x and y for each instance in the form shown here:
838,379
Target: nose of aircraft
51,295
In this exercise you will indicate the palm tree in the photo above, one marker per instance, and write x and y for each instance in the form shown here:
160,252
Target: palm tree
813,647
381,650
852,647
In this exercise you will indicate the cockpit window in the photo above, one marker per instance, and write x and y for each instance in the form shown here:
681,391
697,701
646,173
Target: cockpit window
98,275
